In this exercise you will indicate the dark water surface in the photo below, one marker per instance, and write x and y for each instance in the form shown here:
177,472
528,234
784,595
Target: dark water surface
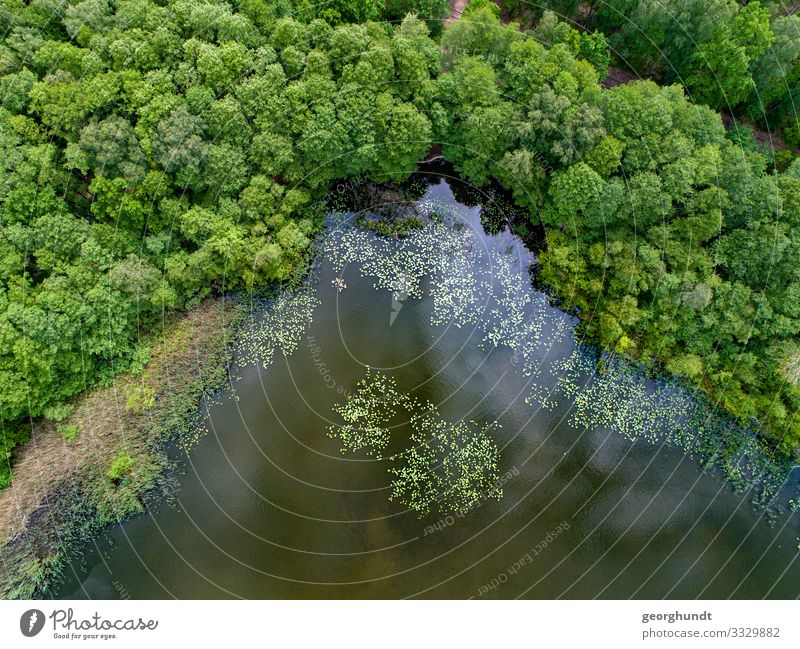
270,508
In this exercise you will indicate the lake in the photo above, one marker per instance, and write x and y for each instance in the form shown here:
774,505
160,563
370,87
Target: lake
601,494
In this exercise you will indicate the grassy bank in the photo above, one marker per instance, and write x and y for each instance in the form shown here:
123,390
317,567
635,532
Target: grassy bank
108,458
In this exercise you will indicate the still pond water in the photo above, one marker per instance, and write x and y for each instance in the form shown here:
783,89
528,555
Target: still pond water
594,503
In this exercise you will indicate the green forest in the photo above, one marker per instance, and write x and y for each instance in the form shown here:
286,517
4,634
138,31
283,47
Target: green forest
155,153
739,57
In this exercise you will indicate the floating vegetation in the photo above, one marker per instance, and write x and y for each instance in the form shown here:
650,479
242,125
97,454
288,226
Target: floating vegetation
538,395
608,392
368,409
393,224
281,327
618,397
449,467
485,282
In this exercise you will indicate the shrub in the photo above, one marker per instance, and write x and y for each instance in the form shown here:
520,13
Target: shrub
68,431
139,398
120,466
782,160
791,134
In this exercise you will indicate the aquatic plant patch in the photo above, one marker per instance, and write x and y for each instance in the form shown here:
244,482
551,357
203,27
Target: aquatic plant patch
281,327
367,412
484,282
449,467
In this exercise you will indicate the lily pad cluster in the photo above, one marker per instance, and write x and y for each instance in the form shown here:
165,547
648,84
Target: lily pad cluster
470,282
607,392
367,412
281,327
447,467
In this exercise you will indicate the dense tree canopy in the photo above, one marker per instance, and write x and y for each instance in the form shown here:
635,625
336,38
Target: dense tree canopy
672,241
154,153
742,57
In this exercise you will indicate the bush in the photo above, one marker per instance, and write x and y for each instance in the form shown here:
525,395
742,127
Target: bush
116,501
68,431
139,398
791,134
120,466
782,160
12,434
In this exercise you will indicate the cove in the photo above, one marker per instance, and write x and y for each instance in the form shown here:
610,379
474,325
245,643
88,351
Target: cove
605,490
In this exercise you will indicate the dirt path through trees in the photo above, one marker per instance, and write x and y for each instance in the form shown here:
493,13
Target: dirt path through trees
456,9
617,76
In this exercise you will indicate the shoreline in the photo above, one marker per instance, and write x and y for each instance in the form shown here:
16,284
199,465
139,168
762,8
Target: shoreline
66,490
63,493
